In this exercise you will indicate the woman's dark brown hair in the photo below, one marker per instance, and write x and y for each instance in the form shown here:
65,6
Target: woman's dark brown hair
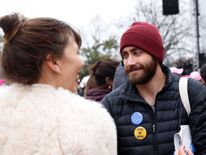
27,42
102,69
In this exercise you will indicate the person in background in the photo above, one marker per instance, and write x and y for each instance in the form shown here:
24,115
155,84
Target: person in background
101,79
176,70
41,113
196,76
82,85
2,82
203,73
120,76
147,108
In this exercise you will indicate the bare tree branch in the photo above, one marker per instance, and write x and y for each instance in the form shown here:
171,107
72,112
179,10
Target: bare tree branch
176,34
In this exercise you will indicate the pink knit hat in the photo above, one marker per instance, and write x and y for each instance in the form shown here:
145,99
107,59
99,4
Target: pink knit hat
2,82
144,36
195,75
176,70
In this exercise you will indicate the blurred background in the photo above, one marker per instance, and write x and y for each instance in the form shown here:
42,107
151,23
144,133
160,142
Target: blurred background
182,24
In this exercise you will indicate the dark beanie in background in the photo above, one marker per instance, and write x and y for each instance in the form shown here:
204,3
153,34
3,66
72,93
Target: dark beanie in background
144,36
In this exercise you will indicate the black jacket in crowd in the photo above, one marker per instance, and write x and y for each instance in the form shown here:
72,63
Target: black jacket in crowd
161,121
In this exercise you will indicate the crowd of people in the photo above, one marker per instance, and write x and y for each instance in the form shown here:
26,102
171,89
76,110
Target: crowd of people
125,108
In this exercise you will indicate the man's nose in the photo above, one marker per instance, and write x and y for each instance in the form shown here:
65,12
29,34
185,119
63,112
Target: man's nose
131,60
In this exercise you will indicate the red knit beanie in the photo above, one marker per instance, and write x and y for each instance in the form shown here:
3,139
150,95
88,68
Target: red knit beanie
144,36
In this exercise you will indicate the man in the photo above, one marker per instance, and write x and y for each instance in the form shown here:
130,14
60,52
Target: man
147,109
203,73
119,77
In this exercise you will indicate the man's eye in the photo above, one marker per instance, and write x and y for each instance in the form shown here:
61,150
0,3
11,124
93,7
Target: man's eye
124,55
137,52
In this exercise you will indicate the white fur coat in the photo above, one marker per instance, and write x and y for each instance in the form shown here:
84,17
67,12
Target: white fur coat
42,120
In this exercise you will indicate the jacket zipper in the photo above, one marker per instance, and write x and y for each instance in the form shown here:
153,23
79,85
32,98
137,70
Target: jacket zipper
153,128
154,131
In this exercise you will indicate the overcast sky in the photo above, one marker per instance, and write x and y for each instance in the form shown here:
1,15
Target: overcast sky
76,12
80,13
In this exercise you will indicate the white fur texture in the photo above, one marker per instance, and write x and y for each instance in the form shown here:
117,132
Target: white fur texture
42,120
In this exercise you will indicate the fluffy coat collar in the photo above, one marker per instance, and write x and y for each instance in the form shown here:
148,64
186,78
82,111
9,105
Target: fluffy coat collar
42,120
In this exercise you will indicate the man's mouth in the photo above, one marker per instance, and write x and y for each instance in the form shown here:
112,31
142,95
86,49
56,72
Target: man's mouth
134,68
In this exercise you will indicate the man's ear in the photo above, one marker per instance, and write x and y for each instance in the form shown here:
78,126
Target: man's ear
53,63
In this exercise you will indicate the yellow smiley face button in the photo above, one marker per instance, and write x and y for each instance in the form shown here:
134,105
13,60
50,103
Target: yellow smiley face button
140,133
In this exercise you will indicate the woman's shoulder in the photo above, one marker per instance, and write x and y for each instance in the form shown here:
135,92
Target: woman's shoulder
61,101
3,89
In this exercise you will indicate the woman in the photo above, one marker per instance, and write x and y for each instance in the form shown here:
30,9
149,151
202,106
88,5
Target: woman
101,79
41,113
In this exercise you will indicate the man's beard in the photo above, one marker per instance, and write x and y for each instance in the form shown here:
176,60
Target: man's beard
148,73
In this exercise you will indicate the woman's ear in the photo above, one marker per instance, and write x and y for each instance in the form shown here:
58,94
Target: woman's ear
109,82
53,63
107,79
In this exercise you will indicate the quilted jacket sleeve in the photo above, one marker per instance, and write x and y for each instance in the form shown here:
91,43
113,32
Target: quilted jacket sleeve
197,118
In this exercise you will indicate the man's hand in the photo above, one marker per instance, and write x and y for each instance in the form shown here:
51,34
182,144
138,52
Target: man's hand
183,151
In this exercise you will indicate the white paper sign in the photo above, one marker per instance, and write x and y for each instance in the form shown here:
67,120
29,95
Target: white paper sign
183,138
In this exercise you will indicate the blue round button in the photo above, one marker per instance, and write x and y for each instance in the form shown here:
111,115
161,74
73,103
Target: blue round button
192,147
136,118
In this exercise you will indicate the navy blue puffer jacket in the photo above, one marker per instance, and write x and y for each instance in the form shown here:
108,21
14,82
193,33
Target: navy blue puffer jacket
161,121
